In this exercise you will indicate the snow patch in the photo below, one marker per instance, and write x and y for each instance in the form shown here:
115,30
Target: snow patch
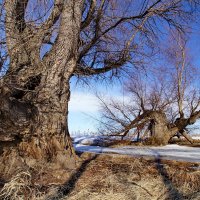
168,152
196,137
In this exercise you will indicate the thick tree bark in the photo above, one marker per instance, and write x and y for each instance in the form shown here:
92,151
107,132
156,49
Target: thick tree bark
40,123
34,94
162,130
160,134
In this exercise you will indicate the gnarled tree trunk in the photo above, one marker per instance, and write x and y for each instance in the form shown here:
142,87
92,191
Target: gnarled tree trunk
160,134
163,131
34,94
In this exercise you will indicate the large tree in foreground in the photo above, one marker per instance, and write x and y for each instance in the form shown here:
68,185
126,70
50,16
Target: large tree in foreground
162,104
45,43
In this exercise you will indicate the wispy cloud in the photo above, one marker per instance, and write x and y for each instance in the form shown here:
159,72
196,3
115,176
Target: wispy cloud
83,102
89,103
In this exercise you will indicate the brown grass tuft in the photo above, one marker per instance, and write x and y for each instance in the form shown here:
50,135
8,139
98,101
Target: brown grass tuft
102,177
19,187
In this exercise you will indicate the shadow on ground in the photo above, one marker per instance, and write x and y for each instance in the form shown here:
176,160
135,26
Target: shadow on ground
122,168
172,192
69,186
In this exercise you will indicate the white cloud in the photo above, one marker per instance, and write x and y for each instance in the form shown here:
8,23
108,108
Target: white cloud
88,102
84,110
83,102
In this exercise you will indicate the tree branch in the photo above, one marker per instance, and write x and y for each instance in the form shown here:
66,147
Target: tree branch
20,12
45,28
14,22
90,14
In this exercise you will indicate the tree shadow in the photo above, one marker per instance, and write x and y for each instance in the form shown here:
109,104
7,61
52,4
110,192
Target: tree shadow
172,192
69,185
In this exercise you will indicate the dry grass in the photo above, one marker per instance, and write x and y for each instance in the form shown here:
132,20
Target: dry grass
122,177
20,187
117,143
150,142
183,141
107,177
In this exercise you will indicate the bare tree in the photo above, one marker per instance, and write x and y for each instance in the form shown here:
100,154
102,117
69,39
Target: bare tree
45,43
163,104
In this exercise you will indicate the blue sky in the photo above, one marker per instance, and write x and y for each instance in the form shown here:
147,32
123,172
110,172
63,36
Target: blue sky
84,106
